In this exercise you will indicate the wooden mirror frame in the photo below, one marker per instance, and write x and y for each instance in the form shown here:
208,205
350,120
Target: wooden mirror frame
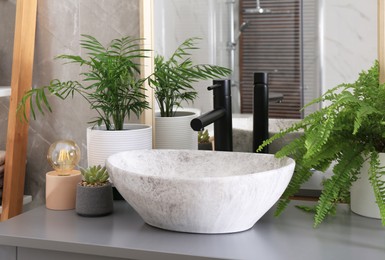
381,39
147,33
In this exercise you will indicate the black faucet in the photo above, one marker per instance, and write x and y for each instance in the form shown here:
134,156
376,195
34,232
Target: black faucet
221,116
261,110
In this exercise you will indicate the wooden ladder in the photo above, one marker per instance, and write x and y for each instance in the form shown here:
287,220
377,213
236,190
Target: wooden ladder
17,131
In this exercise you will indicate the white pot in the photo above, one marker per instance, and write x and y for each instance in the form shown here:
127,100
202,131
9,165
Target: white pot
362,200
176,132
102,143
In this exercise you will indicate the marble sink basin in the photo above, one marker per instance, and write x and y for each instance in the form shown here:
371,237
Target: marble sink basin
200,191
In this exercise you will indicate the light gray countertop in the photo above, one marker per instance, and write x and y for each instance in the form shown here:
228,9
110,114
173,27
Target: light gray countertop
123,234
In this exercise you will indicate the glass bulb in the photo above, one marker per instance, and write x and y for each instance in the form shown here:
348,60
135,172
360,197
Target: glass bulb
63,155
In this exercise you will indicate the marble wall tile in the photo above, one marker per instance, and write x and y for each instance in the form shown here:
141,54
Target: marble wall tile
59,26
109,19
349,40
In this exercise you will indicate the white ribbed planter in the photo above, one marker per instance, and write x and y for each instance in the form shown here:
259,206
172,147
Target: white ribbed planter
102,143
176,132
362,200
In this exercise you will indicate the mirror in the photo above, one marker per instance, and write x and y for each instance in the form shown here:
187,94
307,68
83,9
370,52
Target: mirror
237,35
7,28
330,50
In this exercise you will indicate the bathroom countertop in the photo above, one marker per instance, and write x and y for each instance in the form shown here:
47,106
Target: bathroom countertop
123,234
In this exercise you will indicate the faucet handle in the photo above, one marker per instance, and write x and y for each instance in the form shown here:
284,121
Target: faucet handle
213,86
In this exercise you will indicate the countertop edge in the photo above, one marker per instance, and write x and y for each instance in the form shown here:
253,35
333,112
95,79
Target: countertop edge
96,250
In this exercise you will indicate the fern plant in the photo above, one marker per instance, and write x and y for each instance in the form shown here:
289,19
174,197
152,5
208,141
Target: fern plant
111,85
348,131
94,176
173,78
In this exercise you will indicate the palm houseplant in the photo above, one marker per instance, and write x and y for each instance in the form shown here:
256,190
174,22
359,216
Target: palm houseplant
94,193
112,86
172,82
349,133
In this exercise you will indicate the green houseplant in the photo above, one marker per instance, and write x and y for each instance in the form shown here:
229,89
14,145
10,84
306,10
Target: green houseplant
348,131
111,84
94,192
173,78
172,82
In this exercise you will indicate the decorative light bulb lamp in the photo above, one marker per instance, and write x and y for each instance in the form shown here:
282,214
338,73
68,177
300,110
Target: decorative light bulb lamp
61,183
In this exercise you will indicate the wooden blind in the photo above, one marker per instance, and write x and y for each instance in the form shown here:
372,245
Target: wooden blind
272,43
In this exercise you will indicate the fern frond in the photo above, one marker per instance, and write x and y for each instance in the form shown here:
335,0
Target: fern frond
325,157
376,178
292,148
363,112
328,95
306,208
301,175
339,184
319,135
292,129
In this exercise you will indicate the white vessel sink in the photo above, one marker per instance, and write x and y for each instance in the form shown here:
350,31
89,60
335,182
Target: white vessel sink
200,191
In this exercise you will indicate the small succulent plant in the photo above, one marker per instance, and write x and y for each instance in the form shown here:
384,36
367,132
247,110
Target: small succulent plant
203,137
94,176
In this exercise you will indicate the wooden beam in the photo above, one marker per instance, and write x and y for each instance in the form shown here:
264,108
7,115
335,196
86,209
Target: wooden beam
146,33
17,133
381,39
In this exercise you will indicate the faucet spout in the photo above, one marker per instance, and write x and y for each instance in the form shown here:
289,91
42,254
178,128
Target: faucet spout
221,116
200,122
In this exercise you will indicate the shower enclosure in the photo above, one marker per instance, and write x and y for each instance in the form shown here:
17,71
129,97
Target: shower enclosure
276,36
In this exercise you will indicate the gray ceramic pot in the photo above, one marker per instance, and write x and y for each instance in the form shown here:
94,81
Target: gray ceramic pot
94,201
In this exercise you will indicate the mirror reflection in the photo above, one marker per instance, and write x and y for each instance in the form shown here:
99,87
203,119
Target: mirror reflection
305,46
7,27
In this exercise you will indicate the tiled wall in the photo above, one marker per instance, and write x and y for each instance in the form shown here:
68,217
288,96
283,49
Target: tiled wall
349,40
59,25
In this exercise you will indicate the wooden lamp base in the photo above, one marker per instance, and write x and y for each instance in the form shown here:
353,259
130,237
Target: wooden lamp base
61,190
